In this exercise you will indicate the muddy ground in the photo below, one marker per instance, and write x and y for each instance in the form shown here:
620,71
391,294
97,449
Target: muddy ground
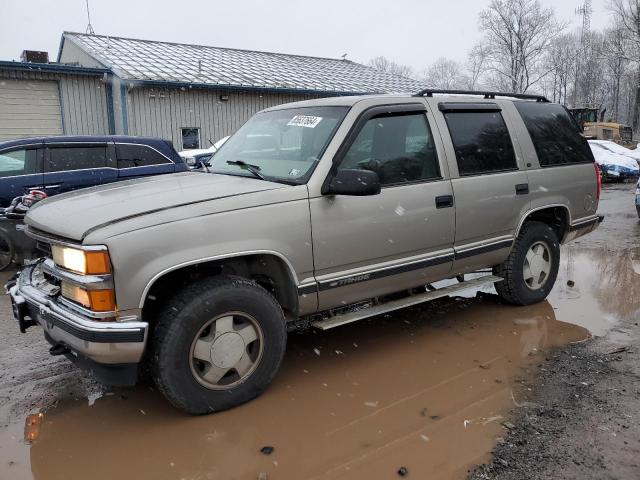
432,389
583,418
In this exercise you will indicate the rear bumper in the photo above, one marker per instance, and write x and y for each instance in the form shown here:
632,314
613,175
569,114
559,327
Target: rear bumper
88,342
583,226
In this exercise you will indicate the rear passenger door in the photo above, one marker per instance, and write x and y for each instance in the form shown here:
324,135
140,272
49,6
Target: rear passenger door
72,166
490,184
136,160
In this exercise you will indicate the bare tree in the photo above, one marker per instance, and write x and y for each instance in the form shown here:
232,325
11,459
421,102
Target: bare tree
517,35
383,64
628,14
561,63
614,52
446,74
476,66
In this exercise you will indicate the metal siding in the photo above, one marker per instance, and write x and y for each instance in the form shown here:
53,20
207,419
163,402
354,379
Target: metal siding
172,109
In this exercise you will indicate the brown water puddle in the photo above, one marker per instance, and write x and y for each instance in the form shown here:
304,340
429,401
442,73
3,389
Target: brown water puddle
425,388
357,410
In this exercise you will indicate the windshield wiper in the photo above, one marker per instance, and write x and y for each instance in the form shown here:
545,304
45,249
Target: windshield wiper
254,169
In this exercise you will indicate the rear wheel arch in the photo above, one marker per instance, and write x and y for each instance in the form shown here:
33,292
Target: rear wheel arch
269,270
558,217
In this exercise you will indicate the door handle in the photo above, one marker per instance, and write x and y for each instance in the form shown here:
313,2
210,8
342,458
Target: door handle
444,201
52,186
522,189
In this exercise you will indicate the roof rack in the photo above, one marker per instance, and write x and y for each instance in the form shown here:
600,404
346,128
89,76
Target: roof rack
430,92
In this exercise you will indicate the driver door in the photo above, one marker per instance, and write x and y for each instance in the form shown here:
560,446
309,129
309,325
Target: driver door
403,237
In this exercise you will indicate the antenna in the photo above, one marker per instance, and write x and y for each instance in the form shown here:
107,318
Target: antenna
344,56
585,11
89,29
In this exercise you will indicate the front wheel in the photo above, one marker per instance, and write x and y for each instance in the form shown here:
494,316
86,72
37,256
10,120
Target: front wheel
7,251
218,344
531,269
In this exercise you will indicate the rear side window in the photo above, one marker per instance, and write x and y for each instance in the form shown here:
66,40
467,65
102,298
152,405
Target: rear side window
481,142
554,133
76,158
138,156
18,162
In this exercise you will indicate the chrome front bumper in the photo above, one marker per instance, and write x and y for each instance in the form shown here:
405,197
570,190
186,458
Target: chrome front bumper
101,342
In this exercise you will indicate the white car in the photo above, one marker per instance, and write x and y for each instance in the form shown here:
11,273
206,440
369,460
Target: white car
194,156
613,165
619,149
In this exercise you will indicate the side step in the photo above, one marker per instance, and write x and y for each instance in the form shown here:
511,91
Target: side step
350,317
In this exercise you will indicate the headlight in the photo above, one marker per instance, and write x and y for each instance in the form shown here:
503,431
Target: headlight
96,300
82,261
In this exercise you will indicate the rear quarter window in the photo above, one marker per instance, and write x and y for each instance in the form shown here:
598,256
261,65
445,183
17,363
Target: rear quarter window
138,156
555,135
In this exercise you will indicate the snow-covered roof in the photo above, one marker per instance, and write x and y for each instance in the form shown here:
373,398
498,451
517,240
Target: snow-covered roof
146,60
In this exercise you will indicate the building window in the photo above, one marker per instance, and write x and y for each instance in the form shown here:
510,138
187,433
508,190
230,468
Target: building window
190,138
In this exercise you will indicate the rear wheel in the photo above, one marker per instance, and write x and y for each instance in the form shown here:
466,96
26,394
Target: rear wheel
531,269
217,345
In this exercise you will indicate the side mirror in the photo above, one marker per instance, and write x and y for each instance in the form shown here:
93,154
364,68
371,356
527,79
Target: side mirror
357,183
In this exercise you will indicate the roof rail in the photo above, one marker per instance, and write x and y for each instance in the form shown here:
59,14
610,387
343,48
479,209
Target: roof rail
430,92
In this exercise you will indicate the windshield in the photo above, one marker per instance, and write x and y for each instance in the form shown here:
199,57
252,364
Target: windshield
284,144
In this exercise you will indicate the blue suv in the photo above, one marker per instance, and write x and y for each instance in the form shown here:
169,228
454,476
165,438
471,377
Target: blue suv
60,164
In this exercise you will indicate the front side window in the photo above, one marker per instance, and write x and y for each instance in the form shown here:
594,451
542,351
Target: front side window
399,148
76,158
555,135
190,138
481,142
17,162
284,145
138,156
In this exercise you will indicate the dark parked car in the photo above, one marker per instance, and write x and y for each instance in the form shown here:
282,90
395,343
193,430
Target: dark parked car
59,164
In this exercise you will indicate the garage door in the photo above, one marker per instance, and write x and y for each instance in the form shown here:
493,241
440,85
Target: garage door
29,108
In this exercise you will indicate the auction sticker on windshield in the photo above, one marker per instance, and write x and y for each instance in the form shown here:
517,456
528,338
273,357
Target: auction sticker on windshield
308,121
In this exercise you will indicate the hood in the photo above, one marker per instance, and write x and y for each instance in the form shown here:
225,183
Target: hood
72,215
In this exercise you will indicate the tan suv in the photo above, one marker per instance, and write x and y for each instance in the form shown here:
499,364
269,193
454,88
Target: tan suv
317,213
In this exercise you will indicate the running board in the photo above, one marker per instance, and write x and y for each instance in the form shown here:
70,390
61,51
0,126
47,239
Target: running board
350,317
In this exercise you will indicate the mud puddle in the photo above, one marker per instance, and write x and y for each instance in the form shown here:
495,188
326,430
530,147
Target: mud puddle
426,389
423,389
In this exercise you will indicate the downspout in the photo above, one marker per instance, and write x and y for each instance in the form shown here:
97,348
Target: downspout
124,107
111,118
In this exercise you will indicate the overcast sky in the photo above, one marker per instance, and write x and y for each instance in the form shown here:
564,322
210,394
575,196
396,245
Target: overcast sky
413,32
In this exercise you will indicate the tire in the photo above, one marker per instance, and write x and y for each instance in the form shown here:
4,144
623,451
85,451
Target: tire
7,251
192,384
515,288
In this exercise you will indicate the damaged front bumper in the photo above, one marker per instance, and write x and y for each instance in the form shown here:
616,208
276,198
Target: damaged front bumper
111,349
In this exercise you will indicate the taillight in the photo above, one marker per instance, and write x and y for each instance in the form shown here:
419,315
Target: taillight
598,180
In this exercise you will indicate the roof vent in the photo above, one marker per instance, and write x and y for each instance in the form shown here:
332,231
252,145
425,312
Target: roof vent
33,56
